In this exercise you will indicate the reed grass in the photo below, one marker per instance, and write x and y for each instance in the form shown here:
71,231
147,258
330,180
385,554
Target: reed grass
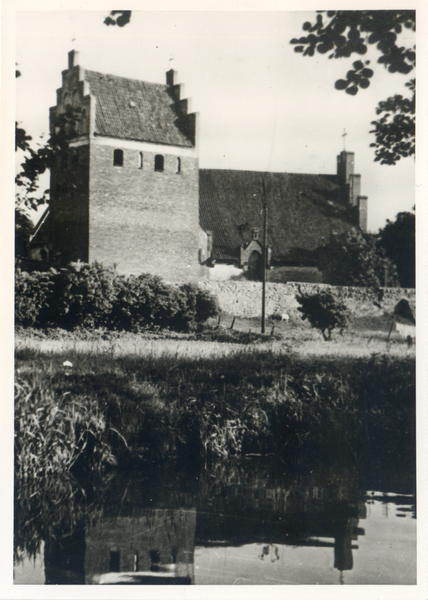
179,403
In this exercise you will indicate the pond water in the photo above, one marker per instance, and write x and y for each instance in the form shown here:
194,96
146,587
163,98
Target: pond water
243,523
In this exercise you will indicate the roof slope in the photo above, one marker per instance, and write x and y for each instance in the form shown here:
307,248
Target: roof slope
134,110
303,211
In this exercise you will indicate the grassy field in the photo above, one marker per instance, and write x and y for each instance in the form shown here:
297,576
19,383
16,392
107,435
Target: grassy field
363,338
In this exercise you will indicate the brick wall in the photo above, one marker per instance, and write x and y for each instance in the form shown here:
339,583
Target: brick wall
142,220
69,206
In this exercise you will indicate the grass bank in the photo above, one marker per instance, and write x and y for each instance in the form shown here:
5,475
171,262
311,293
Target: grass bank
105,409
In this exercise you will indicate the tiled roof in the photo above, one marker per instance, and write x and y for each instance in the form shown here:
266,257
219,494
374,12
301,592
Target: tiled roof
303,211
134,110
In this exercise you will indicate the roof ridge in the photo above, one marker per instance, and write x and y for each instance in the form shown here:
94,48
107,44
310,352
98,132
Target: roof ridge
98,73
268,172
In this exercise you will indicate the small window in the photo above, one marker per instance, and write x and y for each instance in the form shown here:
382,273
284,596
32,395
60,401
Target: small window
178,164
75,98
74,158
118,158
158,162
140,160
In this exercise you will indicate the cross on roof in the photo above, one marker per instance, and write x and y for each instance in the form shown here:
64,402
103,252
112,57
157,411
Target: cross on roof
344,134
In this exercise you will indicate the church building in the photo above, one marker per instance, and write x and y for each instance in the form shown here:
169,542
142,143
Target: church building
128,191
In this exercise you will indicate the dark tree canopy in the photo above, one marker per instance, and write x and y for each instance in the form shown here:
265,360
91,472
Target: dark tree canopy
123,17
356,259
398,240
341,34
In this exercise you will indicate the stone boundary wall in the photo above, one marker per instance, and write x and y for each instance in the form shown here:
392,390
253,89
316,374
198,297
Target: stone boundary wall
244,298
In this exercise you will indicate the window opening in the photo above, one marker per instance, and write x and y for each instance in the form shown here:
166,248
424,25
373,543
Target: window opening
114,561
75,98
140,160
83,122
118,158
178,164
158,162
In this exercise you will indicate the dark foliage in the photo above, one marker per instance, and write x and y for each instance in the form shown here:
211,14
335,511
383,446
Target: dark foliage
123,18
395,130
92,296
398,240
355,259
322,311
340,34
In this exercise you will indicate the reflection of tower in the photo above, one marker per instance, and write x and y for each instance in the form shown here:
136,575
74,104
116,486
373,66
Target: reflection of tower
152,546
347,530
64,562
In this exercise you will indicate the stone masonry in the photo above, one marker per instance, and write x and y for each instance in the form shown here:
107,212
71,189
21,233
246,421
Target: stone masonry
244,298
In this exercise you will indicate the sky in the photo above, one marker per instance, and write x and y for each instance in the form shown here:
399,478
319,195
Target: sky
261,106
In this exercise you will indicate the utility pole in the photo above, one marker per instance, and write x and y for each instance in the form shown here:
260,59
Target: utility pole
264,256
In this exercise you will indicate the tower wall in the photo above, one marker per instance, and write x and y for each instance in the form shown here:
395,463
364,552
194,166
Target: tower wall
69,205
142,220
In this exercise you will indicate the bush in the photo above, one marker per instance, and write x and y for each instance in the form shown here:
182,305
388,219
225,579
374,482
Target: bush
92,296
33,292
83,296
143,302
322,311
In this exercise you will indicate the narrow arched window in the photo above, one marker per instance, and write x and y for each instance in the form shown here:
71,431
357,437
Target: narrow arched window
158,162
178,164
75,98
140,160
118,158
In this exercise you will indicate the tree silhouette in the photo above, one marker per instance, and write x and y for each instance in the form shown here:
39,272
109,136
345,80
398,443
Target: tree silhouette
340,34
398,240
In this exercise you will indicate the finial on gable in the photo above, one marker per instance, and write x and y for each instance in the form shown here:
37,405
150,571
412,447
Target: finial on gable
73,59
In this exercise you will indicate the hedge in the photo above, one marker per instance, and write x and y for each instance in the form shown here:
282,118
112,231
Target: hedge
93,296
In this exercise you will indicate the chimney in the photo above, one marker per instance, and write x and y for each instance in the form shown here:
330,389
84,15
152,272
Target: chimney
73,59
345,166
362,212
170,77
354,189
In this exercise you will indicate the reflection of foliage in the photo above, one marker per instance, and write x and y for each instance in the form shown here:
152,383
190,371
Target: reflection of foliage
343,33
49,508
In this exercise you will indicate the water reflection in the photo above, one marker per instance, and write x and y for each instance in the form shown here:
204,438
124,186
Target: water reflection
233,523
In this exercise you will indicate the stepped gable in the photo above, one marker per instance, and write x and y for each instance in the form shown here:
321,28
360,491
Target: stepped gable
136,110
303,211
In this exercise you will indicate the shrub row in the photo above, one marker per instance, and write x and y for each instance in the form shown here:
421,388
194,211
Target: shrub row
92,296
